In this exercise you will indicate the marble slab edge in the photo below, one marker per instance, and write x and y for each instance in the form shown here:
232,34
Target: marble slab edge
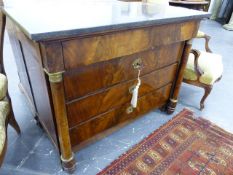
101,29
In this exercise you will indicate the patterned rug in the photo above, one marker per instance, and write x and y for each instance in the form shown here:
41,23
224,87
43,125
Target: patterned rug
185,145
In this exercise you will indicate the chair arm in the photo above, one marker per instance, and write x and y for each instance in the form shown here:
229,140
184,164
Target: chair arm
197,69
207,39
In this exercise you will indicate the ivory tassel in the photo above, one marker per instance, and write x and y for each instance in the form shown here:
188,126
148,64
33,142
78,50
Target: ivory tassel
134,99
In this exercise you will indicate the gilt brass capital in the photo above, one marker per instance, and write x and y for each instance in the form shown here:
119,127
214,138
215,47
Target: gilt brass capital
55,77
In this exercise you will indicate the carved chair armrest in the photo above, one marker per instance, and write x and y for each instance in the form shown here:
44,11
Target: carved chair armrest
207,39
197,68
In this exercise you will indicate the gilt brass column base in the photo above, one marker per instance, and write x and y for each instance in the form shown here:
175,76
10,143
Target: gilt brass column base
68,165
171,106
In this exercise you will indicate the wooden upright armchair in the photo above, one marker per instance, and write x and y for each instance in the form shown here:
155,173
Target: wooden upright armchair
6,112
203,68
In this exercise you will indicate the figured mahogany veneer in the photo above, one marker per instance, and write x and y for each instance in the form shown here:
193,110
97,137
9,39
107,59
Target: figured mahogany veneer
79,86
117,95
118,115
104,74
104,47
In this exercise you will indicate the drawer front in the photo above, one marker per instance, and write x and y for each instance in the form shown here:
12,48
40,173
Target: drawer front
118,116
90,106
92,49
104,74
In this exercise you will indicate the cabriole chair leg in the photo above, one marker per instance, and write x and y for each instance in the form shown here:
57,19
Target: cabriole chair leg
207,92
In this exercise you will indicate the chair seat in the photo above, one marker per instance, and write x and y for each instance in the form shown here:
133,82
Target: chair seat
210,64
3,86
4,111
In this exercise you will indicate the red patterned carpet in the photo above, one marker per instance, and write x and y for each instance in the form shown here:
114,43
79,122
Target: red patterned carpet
183,146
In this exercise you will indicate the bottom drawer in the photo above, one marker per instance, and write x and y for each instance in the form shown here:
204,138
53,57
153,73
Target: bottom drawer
117,116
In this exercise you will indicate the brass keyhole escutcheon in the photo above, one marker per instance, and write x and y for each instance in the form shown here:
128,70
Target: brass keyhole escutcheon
129,110
137,64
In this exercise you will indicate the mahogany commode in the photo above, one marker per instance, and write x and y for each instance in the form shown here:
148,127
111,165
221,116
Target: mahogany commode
78,71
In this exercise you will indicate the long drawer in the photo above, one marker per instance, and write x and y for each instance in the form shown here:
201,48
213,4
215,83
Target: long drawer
88,79
119,115
90,106
93,49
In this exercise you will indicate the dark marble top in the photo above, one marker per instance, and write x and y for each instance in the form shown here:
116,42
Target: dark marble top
50,19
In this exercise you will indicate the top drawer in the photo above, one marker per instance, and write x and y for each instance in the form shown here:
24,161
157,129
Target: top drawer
89,50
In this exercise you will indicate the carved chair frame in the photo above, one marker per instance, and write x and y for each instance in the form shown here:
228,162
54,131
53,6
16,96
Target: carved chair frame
199,72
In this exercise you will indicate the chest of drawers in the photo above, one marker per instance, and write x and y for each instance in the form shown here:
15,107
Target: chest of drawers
79,82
